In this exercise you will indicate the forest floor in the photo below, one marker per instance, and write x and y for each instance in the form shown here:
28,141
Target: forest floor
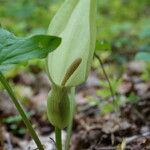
128,127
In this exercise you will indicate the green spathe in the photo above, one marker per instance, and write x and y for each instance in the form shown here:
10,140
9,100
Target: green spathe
75,23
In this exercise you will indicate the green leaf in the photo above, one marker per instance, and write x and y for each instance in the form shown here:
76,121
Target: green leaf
143,56
102,45
104,93
15,119
107,108
14,50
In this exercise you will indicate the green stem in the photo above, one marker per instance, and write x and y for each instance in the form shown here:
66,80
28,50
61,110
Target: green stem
109,83
72,108
21,111
58,138
105,74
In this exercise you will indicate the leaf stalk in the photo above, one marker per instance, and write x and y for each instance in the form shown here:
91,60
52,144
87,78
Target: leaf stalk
21,111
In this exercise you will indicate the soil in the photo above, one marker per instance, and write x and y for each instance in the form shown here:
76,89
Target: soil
128,127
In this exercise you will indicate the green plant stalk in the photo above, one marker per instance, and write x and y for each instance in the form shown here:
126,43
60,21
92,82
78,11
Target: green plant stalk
105,74
109,83
58,138
72,110
21,112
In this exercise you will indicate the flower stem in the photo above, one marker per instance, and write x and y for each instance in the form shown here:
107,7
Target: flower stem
21,111
58,138
72,108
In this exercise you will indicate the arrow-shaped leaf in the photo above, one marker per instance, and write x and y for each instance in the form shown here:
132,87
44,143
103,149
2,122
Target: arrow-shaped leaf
14,50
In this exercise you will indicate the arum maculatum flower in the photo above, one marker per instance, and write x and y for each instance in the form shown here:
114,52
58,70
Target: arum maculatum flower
69,64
